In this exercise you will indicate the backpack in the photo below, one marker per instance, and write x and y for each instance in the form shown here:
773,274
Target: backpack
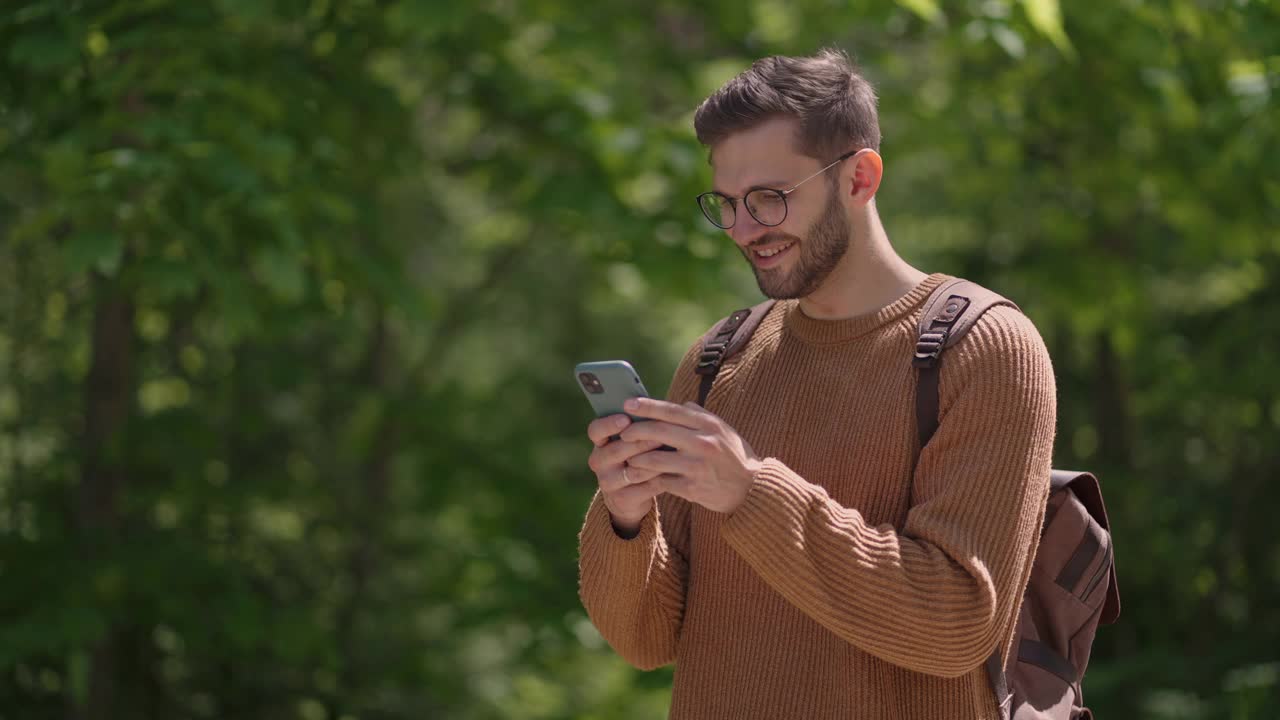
1072,587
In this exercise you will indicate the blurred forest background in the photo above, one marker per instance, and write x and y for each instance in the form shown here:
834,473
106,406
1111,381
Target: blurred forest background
291,292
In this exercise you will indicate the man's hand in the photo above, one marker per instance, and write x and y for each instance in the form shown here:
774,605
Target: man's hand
712,465
628,497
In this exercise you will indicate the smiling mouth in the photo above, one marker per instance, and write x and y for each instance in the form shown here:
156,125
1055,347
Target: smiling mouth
768,253
774,251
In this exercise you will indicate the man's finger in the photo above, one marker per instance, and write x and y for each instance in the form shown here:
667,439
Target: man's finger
614,480
690,417
601,429
637,492
659,462
677,485
661,432
616,454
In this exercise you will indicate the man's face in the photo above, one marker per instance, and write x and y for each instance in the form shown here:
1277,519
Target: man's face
814,236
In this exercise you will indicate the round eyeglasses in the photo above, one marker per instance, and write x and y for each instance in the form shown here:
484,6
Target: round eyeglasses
767,205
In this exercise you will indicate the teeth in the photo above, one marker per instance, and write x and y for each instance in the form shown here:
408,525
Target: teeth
775,251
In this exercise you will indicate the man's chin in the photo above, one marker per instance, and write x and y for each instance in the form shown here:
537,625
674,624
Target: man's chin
776,284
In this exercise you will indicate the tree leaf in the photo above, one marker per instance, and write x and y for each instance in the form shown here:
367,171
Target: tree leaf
280,272
93,250
1046,17
928,10
43,50
170,278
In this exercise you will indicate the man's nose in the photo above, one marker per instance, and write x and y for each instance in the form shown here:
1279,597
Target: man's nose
746,229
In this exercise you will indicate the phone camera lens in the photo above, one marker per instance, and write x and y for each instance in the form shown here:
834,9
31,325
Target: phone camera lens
591,383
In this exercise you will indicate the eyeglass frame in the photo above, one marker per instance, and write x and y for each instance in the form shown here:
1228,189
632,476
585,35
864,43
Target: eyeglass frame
786,209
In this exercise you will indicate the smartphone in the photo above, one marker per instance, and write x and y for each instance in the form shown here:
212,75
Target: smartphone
609,383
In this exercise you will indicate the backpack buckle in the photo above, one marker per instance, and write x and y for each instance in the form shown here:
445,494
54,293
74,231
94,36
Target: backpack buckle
709,360
929,347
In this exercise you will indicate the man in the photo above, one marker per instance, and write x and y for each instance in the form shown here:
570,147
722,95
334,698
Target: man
792,556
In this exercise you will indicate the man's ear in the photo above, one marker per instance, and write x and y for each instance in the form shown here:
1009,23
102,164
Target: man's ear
862,176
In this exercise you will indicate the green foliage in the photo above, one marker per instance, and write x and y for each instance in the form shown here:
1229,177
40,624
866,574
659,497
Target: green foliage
290,293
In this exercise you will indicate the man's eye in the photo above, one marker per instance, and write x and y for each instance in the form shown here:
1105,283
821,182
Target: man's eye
763,199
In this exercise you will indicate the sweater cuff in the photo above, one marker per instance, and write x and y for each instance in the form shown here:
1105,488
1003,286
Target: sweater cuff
606,554
776,504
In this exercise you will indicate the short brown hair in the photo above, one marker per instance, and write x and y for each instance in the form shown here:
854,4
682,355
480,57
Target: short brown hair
835,105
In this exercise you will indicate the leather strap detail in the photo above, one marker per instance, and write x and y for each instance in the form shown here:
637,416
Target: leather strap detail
1098,574
953,308
1034,652
949,312
927,403
725,339
1083,556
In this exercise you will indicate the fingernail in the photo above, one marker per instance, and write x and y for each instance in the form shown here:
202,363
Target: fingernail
632,404
622,422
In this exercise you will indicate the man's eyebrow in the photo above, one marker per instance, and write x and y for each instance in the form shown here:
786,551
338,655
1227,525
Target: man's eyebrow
767,185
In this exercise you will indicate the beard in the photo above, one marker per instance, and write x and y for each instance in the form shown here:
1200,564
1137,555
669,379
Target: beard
819,253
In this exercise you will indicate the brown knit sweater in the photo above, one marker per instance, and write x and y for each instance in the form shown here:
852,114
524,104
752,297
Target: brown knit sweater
841,588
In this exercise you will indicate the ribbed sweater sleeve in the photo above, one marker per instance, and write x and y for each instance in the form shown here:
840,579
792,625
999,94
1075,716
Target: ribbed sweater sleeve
634,589
939,596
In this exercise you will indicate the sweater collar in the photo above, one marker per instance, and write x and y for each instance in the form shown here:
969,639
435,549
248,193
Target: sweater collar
823,332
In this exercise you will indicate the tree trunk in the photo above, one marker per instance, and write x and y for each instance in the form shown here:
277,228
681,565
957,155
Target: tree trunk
369,510
108,401
1111,406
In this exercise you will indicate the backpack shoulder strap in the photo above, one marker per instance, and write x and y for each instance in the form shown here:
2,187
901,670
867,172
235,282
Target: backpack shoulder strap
724,339
951,310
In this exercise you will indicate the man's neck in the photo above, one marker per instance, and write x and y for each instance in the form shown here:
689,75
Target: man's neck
870,276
